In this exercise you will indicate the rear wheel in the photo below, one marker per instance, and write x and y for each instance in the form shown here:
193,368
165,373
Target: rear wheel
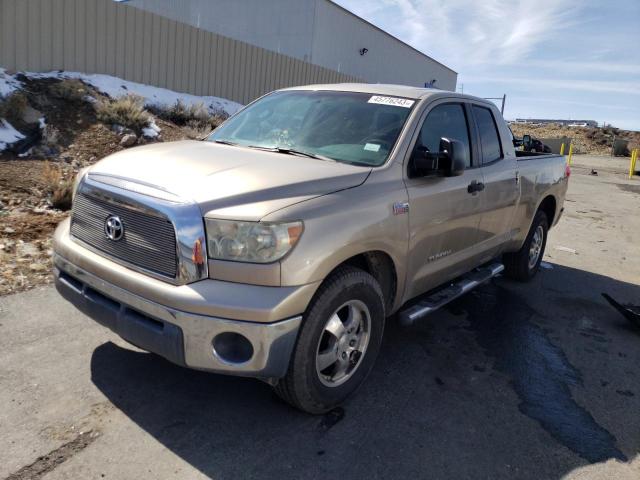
338,342
525,263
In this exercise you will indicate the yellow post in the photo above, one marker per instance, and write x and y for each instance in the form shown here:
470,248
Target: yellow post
632,162
570,152
562,149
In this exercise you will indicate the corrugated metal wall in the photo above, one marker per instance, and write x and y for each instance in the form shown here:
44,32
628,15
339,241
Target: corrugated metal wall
102,36
339,35
317,31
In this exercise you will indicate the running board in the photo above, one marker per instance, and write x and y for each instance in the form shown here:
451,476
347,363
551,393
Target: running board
433,301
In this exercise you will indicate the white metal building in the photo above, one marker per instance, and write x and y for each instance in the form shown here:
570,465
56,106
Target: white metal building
234,49
320,32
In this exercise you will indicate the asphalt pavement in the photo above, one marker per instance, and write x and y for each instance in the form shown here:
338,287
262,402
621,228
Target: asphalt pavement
512,381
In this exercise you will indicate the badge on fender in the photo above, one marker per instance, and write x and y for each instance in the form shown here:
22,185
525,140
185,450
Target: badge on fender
400,207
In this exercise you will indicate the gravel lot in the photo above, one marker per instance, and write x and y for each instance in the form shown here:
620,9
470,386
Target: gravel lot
537,380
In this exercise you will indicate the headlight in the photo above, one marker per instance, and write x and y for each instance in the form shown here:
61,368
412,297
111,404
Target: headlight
77,180
251,241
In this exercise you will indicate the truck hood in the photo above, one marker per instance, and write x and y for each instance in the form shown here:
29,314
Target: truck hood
228,181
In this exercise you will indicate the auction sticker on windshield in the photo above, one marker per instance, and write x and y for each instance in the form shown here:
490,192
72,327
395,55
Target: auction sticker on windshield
372,147
394,101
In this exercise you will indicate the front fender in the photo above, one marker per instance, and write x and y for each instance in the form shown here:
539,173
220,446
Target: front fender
345,224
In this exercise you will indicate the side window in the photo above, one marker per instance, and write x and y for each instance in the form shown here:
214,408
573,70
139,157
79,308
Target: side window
489,138
449,121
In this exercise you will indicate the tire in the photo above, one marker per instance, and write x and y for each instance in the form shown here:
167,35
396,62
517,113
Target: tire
520,265
349,293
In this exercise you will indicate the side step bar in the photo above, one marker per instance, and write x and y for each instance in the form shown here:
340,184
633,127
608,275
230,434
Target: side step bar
433,301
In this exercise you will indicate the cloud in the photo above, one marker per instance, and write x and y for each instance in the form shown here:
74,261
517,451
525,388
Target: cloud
560,101
574,67
561,50
467,32
627,88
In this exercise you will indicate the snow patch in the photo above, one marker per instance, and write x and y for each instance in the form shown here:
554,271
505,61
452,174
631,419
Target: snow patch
153,96
25,154
152,131
113,87
8,134
8,84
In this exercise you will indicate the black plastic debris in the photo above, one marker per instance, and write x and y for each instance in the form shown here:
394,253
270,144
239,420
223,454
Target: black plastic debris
630,312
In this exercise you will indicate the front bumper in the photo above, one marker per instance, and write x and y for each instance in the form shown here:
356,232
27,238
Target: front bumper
180,322
180,337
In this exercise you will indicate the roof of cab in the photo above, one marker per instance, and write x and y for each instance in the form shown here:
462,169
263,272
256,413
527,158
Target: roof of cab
384,89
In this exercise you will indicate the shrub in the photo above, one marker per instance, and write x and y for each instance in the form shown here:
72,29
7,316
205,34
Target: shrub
51,176
181,114
61,196
69,89
195,116
127,111
13,107
56,186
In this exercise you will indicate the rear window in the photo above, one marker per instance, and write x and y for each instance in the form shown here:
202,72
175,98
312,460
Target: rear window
489,138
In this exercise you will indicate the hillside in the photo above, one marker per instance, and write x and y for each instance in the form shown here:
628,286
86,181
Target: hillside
594,141
51,126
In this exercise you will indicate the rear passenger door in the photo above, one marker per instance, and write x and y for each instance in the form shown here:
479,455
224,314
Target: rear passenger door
501,180
444,211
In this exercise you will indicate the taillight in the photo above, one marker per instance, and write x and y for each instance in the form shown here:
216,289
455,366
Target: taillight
567,171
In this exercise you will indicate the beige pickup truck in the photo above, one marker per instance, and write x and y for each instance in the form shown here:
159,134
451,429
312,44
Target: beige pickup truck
278,247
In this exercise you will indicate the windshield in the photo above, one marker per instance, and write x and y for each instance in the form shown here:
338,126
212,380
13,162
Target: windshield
348,127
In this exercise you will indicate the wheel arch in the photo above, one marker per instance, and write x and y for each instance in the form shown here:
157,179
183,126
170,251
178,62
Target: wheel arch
548,205
382,267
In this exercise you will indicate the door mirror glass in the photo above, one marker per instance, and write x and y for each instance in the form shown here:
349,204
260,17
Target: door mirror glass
454,157
449,161
526,140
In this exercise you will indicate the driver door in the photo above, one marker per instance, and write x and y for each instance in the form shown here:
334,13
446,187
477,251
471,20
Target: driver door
444,211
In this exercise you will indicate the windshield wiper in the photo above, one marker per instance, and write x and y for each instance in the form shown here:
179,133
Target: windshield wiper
225,142
292,151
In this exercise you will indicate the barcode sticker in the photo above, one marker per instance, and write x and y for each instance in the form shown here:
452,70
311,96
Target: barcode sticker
393,101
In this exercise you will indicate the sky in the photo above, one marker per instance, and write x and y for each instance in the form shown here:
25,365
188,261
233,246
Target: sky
552,58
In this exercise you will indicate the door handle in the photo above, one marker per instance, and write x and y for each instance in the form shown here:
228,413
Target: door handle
475,187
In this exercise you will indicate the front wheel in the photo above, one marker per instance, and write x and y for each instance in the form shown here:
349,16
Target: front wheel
338,342
525,263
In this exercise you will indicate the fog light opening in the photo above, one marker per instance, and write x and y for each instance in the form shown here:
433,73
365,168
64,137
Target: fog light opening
232,347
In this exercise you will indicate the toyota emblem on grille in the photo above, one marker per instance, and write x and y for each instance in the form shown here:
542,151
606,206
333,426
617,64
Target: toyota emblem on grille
113,228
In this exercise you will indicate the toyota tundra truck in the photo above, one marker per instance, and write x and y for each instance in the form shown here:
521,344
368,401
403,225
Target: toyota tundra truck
279,246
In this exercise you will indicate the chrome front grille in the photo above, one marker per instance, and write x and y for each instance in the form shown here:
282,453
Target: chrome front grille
149,240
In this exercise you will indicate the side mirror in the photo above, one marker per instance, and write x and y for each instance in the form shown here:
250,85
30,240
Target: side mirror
526,140
424,162
450,160
454,162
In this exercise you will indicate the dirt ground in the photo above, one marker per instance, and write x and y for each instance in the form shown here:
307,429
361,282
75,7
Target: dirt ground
512,381
586,140
73,139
